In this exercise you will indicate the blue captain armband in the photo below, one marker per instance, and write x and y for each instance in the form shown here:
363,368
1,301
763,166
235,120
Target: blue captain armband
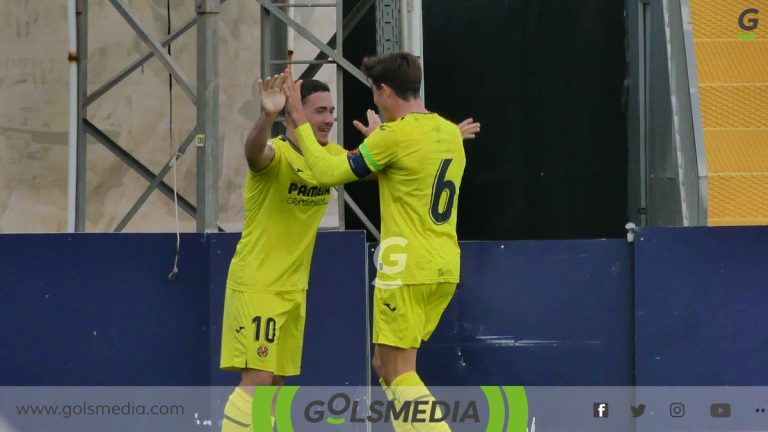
357,163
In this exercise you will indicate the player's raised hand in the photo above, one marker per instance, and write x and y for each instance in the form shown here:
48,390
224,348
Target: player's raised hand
294,110
469,128
373,123
272,97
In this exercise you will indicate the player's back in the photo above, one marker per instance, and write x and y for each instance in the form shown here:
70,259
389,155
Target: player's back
419,192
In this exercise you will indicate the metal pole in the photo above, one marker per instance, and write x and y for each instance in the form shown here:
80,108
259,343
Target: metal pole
82,86
274,52
207,139
411,33
387,26
73,119
340,101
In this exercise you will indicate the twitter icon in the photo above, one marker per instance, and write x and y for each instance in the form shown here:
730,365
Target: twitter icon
637,411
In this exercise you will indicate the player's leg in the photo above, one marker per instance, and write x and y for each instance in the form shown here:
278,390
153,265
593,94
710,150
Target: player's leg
250,334
241,401
380,351
390,362
402,318
237,411
289,343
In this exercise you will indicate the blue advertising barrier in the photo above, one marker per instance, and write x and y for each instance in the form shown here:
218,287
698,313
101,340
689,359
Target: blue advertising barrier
677,307
536,313
702,306
99,309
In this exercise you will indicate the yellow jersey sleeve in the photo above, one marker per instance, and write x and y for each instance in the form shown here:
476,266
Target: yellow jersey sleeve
328,170
380,148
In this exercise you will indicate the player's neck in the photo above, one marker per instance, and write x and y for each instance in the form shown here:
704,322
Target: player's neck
402,108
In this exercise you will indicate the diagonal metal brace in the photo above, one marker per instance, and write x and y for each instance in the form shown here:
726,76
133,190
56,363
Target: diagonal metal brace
155,182
349,23
137,166
363,218
137,63
331,53
161,55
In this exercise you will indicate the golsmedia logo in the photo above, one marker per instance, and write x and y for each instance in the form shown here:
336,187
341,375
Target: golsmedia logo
749,21
479,408
340,408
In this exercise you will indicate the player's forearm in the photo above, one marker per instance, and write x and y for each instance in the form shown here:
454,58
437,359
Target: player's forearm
328,170
258,137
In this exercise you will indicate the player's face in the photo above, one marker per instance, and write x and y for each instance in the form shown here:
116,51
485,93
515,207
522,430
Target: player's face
319,109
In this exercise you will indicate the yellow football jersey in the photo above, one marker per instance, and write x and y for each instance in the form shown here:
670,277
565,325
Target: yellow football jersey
283,206
419,160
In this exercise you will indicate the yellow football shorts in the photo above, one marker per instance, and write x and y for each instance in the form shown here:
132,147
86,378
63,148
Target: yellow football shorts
264,331
406,315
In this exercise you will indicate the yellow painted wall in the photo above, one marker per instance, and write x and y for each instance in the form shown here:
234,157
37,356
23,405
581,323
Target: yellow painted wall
732,63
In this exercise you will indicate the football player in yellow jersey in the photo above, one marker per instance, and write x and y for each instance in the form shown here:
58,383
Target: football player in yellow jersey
419,159
265,301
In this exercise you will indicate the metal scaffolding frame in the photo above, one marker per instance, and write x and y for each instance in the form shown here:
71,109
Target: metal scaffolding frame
205,95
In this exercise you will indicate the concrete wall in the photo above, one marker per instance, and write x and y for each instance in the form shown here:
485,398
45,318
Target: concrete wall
136,113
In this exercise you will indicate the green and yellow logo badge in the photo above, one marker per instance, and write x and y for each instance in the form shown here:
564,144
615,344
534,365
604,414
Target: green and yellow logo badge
749,21
498,409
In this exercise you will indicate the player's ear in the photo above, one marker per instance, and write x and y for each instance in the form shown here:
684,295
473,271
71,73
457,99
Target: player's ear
386,90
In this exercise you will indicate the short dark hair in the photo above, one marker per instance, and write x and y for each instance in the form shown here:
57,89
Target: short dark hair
400,71
312,86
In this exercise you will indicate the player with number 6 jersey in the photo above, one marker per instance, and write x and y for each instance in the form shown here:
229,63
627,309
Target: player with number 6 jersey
419,159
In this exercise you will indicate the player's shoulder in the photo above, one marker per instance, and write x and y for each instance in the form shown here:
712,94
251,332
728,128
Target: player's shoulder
385,133
278,142
448,127
442,121
389,127
425,120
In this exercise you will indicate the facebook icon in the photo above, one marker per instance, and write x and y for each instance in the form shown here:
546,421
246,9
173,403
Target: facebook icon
600,409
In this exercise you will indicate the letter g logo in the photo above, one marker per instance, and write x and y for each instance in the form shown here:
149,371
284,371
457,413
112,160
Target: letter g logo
748,19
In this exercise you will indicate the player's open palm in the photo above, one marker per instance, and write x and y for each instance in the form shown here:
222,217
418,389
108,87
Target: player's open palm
272,97
373,123
469,128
